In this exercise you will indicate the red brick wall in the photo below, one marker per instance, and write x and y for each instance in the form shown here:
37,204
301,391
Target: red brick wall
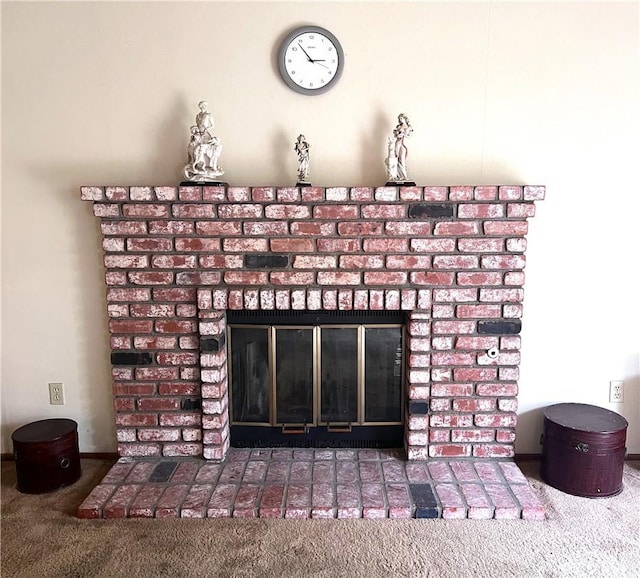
177,258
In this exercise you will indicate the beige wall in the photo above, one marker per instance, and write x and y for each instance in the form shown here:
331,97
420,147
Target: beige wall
498,93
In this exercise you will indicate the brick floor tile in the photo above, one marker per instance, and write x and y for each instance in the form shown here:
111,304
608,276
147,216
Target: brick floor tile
505,506
232,472
488,472
195,504
370,471
349,501
373,502
323,472
300,472
118,473
171,501
221,502
255,471
350,455
140,473
118,504
388,454
369,455
393,471
236,455
271,501
208,474
453,506
346,472
298,501
185,472
95,501
278,471
144,506
425,501
400,505
302,455
323,501
532,507
479,505
464,471
512,473
440,471
417,473
245,504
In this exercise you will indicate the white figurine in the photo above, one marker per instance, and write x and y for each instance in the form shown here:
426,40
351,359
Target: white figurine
397,150
302,148
204,149
391,162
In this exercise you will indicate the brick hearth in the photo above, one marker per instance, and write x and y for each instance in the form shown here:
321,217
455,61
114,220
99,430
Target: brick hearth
305,483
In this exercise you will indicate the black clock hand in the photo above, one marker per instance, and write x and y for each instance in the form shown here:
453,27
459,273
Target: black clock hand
305,52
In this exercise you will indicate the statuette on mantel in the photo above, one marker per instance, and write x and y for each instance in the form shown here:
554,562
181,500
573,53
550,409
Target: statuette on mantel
396,161
203,151
302,149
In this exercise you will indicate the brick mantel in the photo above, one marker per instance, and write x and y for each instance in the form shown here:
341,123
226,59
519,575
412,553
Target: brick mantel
177,258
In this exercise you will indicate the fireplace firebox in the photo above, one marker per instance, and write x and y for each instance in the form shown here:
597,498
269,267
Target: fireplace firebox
316,380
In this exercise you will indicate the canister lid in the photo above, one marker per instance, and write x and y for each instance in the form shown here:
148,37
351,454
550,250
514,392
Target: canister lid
44,430
584,417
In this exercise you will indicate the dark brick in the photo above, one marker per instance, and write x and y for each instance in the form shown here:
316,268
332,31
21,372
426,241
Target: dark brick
421,210
130,358
163,471
425,501
266,261
213,343
499,327
191,404
418,407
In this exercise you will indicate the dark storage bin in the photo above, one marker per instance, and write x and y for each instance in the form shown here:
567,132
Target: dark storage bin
46,454
583,449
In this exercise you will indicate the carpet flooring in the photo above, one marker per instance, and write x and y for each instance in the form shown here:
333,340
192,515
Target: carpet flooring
41,537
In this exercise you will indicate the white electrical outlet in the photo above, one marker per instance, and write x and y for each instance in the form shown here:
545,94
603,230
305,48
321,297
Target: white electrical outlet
56,394
616,391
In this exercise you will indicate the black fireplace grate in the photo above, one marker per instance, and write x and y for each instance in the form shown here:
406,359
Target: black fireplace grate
306,317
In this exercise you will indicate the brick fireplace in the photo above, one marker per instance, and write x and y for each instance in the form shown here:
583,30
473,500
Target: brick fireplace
179,259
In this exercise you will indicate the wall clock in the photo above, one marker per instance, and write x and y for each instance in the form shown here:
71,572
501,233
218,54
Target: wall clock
310,60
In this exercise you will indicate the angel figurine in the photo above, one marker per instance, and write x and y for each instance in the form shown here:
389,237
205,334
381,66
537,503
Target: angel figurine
204,149
302,148
396,161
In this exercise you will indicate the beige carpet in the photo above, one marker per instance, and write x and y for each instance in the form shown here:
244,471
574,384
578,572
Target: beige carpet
581,537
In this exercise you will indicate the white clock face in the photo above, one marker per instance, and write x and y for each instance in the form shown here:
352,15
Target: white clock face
311,60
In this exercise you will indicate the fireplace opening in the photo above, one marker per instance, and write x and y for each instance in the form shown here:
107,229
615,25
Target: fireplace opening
316,379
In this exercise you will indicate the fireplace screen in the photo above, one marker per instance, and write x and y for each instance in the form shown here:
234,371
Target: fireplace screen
313,382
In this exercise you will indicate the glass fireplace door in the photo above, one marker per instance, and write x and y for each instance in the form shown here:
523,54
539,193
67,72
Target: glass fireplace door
294,375
339,375
315,381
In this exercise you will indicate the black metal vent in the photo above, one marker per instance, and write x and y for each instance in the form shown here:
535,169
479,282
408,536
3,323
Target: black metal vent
306,317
